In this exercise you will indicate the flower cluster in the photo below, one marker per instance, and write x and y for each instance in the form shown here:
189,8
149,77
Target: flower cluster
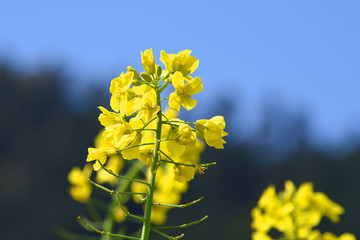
130,128
295,213
138,132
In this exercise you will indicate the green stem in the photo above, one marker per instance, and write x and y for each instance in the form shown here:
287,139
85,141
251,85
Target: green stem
181,205
104,233
175,121
182,225
113,191
108,223
167,236
154,166
122,177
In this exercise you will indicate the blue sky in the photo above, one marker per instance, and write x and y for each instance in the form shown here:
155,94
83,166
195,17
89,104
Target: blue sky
304,54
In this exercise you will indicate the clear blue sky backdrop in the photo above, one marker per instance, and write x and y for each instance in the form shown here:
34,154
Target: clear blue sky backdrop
304,53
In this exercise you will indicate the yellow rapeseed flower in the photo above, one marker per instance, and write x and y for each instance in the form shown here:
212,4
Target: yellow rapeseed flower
119,214
148,61
120,90
80,189
186,135
212,131
146,106
100,154
182,62
115,164
294,213
183,92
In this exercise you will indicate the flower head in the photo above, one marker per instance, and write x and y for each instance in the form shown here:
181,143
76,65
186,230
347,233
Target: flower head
121,91
212,131
182,62
183,92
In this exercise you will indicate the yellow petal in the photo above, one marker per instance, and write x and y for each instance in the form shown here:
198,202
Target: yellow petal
178,81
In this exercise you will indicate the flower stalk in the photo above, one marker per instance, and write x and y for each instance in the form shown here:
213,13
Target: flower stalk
154,166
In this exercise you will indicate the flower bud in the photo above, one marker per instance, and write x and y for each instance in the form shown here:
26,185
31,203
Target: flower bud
135,82
148,61
146,77
136,74
158,70
185,135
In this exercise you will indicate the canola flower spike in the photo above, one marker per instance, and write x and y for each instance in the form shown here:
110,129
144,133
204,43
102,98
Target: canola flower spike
137,130
294,213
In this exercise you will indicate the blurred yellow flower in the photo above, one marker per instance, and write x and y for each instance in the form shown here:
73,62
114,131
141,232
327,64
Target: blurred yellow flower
295,212
80,189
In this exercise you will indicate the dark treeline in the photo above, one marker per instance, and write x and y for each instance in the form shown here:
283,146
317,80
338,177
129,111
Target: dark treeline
42,139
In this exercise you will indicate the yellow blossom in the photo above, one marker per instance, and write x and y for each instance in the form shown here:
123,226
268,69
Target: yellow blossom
182,62
258,235
190,156
212,131
184,173
294,213
80,189
148,61
146,151
170,113
183,92
128,142
108,118
147,106
186,135
327,207
115,164
261,222
121,91
119,214
100,155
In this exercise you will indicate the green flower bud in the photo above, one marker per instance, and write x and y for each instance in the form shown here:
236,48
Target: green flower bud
158,70
136,74
136,82
146,77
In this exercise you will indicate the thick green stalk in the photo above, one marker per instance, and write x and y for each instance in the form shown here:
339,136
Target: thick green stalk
154,166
